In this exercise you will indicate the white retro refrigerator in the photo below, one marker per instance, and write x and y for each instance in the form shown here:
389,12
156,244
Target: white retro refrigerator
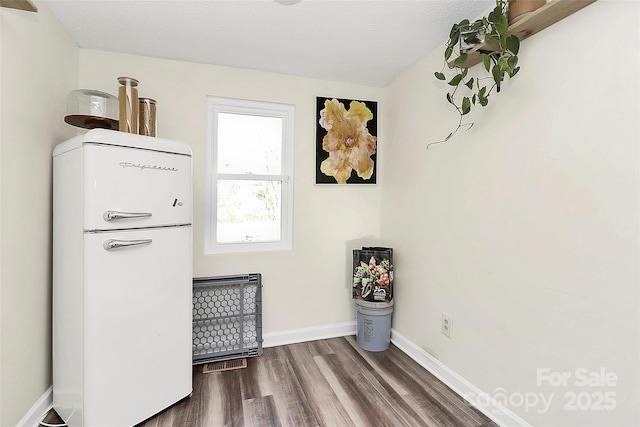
122,277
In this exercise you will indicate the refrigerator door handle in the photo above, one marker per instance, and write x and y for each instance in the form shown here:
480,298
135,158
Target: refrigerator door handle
116,215
115,244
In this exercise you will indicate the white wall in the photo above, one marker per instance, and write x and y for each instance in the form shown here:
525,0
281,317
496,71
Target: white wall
525,228
39,68
305,287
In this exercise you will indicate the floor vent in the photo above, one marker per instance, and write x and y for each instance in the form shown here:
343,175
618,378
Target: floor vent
225,365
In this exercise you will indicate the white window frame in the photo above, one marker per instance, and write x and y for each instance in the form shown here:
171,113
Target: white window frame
216,105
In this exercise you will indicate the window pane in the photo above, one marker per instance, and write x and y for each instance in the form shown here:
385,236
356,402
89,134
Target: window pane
248,211
249,144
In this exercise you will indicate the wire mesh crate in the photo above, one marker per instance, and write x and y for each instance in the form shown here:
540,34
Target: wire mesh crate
227,318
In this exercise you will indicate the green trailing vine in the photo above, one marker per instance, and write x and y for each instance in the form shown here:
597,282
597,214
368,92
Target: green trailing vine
499,58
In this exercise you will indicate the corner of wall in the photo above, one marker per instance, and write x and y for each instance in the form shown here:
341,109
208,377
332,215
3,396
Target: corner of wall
39,67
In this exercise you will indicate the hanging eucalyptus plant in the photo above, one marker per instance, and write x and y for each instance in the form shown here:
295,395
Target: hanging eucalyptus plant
499,57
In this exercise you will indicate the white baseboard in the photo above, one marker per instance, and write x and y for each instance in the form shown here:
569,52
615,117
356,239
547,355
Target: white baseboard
37,411
462,387
309,334
476,397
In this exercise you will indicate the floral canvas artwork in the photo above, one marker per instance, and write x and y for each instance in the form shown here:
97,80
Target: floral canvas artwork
346,141
373,274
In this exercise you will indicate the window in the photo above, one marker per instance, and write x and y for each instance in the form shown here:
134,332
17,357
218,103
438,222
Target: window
250,171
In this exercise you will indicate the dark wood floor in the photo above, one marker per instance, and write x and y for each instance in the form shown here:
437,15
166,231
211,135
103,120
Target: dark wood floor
330,382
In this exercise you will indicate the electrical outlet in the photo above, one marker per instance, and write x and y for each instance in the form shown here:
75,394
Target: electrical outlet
446,325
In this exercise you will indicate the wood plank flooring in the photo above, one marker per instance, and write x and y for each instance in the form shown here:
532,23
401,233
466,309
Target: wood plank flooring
329,383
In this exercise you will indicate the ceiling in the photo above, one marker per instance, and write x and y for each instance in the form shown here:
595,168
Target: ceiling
367,42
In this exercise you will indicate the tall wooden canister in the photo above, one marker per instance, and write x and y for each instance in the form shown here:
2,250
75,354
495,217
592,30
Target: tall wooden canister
128,104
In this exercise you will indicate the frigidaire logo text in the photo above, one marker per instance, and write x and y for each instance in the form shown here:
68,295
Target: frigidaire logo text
142,166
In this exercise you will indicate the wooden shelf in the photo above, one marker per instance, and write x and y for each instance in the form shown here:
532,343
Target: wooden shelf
531,23
19,4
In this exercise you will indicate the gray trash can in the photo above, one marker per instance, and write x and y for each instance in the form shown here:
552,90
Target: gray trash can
373,324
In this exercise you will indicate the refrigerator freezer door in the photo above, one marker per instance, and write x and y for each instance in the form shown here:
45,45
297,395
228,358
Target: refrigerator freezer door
135,188
137,336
